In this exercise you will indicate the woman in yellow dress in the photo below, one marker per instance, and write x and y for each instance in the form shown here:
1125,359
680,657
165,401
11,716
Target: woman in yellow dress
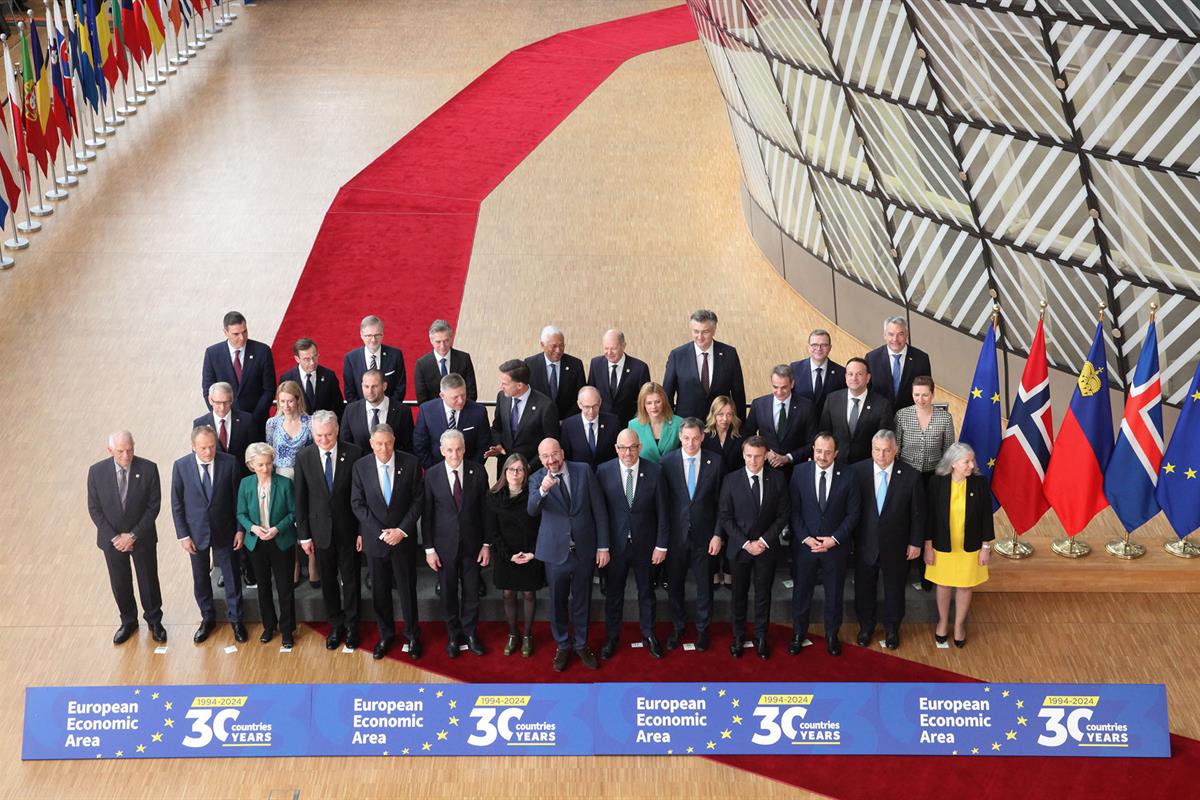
958,543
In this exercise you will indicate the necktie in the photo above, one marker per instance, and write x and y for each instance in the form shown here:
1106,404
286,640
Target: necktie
374,418
122,484
223,437
453,423
329,471
457,491
592,437
822,491
237,365
516,415
629,486
691,477
562,482
897,370
881,492
387,486
819,383
445,371
705,383
206,482
612,382
781,422
554,381
374,362
853,424
309,395
754,491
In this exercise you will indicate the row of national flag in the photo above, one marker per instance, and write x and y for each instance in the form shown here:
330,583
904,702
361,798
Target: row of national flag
1085,468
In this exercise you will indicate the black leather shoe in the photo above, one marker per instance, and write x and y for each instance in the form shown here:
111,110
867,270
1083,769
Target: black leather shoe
437,588
673,639
735,649
239,632
561,656
289,640
833,645
203,631
651,644
452,649
352,638
702,640
124,632
267,635
763,648
334,638
864,637
475,646
381,649
796,645
960,643
940,638
587,657
414,649
158,632
609,649
891,640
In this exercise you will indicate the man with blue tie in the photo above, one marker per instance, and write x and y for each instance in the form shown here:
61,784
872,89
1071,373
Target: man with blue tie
443,360
247,366
524,416
319,384
818,375
204,507
374,355
591,435
895,363
572,541
825,509
453,410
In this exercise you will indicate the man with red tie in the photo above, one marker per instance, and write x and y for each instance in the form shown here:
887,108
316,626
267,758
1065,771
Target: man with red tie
247,366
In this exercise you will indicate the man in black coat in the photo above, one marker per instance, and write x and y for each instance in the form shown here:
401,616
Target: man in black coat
785,420
895,363
818,376
374,355
319,384
440,362
377,407
590,436
618,377
234,428
855,413
555,373
524,416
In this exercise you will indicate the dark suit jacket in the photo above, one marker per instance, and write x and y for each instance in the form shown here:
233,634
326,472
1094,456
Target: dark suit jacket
635,375
834,379
741,522
879,362
472,422
320,515
874,416
842,505
391,364
585,520
256,391
797,436
444,526
366,498
571,378
729,453
646,520
328,393
143,498
427,376
682,380
692,519
209,523
886,536
979,524
357,430
539,420
240,436
575,444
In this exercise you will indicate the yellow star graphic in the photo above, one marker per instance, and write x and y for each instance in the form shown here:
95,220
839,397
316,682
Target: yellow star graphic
154,696
439,693
404,752
721,693
1022,721
1168,468
711,745
170,723
1020,704
987,688
167,705
454,720
1191,473
727,734
991,463
120,753
691,749
141,748
976,393
426,746
442,736
995,745
737,720
156,737
1010,735
454,704
736,702
996,398
137,691
974,751
1005,693
1196,395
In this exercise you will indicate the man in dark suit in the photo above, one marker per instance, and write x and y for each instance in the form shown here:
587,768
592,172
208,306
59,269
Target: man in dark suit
374,355
234,428
817,376
377,407
785,420
204,508
825,509
554,373
890,533
524,416
124,497
702,370
319,384
895,363
247,366
591,435
853,414
325,521
755,508
456,532
691,478
572,541
635,496
386,494
452,409
440,362
618,377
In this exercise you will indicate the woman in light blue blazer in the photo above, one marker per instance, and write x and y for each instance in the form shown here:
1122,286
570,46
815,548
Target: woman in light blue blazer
655,424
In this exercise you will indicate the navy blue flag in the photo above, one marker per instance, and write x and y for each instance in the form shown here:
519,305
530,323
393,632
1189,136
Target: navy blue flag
981,424
1178,489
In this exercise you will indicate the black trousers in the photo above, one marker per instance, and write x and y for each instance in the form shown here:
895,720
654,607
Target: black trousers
619,566
462,612
121,567
272,565
397,569
682,558
340,560
226,559
571,599
866,577
759,570
805,568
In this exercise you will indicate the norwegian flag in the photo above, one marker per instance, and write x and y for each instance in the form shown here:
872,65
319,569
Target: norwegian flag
1132,472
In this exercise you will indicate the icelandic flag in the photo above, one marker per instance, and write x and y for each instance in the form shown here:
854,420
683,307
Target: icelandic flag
1075,479
1179,480
981,424
1132,473
1028,441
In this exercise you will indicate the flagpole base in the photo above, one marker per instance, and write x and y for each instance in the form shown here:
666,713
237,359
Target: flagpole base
155,82
138,99
229,18
203,38
189,52
1182,549
177,62
1070,547
168,70
32,226
220,22
107,129
1013,548
16,243
77,169
145,91
125,111
1119,548
57,194
40,211
69,180
6,263
200,43
85,155
97,143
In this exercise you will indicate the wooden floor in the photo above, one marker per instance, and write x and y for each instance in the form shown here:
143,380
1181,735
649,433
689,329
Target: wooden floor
210,198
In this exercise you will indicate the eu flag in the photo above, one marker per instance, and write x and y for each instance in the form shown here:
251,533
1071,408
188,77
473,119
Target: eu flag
981,424
1179,480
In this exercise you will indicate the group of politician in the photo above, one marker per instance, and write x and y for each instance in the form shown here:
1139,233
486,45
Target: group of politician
846,467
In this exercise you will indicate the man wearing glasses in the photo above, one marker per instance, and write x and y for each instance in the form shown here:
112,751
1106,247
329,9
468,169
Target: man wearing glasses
817,376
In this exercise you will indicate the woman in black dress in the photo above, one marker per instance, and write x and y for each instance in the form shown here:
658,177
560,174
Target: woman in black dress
514,568
723,437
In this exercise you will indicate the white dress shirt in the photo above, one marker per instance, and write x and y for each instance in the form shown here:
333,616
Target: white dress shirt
212,470
879,472
608,365
813,366
383,411
700,360
828,473
524,404
233,350
862,403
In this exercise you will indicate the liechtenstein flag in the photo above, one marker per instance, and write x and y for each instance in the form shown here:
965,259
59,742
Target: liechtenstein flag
981,424
1075,479
1132,473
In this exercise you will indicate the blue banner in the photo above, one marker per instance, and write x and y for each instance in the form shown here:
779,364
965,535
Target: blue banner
596,719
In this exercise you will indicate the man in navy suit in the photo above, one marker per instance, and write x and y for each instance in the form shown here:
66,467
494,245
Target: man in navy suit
895,363
591,435
456,532
702,370
124,497
818,375
890,533
825,509
524,416
440,362
451,410
247,366
691,480
855,413
556,374
374,355
755,508
635,496
204,507
386,493
319,384
377,407
618,377
572,541
785,420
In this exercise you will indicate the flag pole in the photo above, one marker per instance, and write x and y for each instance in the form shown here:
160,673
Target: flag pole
113,118
180,57
1123,548
17,242
57,192
158,79
1013,547
128,109
41,209
220,21
140,93
217,24
229,15
199,37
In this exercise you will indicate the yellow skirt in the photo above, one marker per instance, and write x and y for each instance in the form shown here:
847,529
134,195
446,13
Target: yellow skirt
958,567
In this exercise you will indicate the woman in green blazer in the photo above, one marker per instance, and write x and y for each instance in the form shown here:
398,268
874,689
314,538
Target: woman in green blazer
266,512
655,424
